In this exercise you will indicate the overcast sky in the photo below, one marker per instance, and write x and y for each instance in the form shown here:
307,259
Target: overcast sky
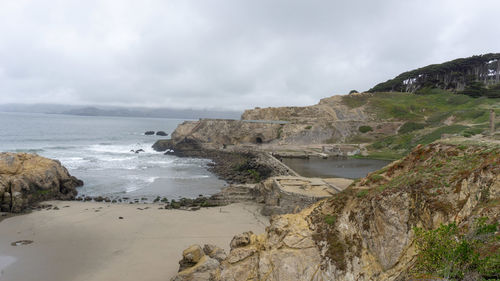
227,54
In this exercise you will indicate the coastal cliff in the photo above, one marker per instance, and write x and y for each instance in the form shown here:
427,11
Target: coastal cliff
367,232
330,121
27,178
385,125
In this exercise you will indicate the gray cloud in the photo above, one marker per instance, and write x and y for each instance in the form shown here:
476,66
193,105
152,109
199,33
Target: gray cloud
226,53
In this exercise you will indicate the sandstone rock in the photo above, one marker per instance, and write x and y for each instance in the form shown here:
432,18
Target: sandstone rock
190,257
205,269
214,252
242,240
240,254
28,178
330,121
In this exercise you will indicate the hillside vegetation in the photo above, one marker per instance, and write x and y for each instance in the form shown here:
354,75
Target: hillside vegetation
474,76
426,118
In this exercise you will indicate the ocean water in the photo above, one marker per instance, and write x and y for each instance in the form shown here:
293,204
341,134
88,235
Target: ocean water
97,150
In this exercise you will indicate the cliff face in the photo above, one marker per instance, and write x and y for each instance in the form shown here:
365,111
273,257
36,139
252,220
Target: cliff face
220,132
28,178
366,232
331,109
330,121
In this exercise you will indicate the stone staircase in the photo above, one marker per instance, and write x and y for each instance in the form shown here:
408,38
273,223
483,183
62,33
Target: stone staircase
234,194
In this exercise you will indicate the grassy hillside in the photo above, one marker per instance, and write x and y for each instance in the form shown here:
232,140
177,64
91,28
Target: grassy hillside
426,118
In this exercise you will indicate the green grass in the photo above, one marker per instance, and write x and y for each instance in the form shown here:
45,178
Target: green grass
362,193
424,115
436,134
330,219
410,127
433,107
399,145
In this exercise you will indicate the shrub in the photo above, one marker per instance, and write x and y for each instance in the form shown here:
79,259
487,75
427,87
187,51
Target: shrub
362,193
447,253
330,219
308,127
410,127
255,174
365,129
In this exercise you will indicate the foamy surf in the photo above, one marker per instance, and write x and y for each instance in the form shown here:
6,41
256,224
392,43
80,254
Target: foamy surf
102,152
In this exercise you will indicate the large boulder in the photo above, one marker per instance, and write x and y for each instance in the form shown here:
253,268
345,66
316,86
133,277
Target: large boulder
199,264
28,178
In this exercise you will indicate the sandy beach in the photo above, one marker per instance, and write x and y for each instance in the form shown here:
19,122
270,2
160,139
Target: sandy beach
88,241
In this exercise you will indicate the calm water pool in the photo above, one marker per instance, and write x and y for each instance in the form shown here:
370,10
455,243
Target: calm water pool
335,167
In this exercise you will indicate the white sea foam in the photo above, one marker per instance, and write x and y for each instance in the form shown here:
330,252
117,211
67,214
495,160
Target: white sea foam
190,177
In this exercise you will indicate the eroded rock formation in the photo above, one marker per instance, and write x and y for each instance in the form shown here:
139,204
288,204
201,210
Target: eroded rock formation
28,178
329,121
366,232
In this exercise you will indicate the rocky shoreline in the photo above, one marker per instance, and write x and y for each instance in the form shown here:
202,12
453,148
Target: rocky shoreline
238,167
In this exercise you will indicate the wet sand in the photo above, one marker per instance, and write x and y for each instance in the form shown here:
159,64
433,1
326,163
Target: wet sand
88,241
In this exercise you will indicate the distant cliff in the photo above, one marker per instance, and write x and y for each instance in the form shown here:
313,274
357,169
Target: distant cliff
474,76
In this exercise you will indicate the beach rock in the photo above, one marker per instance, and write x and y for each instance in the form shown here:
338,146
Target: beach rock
161,133
205,269
190,257
241,240
29,178
214,252
149,133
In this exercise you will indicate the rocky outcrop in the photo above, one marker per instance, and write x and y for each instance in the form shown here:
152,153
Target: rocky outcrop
243,166
330,121
331,109
199,264
366,231
28,178
221,132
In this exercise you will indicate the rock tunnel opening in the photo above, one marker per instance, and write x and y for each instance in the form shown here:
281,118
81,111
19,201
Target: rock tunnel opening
258,140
